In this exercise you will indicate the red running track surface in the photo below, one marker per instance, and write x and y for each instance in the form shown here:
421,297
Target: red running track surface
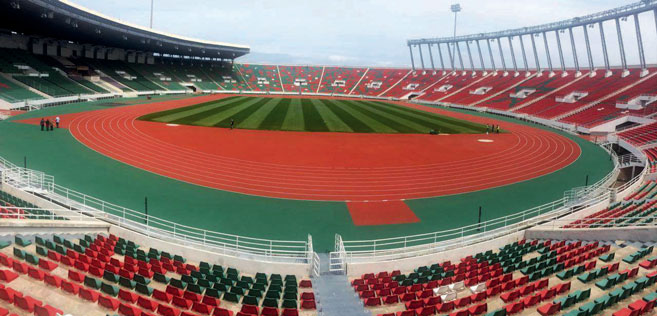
322,166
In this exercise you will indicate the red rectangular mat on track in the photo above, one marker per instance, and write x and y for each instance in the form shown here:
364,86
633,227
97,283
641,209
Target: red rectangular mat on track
381,213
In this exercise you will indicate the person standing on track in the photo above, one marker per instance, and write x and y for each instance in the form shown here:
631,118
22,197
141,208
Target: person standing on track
47,125
42,123
232,123
57,121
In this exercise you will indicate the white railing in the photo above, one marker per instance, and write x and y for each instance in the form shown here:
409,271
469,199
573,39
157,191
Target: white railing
396,248
337,259
265,250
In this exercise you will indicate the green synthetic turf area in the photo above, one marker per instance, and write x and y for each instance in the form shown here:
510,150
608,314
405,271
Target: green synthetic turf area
314,115
77,167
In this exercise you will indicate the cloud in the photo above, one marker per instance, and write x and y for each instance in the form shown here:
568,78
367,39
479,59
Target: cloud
341,58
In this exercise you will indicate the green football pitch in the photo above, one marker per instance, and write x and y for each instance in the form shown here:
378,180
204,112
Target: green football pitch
314,115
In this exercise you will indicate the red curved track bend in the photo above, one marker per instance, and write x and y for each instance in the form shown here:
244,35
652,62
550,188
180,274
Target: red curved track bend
322,166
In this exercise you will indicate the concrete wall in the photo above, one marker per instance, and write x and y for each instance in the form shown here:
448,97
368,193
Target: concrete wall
642,234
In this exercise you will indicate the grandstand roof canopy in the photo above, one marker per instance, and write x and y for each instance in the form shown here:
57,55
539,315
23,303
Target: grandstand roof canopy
63,20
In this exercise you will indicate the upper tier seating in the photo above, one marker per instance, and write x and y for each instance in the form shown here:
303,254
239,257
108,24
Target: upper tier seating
595,88
377,81
261,77
304,78
528,91
607,110
11,92
643,135
489,86
340,80
122,73
416,82
450,84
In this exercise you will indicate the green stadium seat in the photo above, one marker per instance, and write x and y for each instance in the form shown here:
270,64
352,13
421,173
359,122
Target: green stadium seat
125,282
92,282
111,277
251,300
592,308
109,289
161,278
141,279
22,241
144,289
231,297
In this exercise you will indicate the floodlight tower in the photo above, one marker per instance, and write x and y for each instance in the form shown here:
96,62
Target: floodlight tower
456,8
152,13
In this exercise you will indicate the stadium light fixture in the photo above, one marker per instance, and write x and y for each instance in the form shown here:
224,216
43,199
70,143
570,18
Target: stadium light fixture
15,5
456,8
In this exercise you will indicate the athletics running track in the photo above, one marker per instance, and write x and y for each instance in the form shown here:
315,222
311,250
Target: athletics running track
322,166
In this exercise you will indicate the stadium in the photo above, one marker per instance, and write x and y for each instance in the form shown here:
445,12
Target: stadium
511,172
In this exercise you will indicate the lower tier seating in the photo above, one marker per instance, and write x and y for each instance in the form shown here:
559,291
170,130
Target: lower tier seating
99,275
522,278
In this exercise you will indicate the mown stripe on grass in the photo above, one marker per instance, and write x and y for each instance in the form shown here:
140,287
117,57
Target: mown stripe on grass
241,116
311,118
154,116
428,120
215,118
371,122
294,118
475,127
333,122
399,123
274,121
203,108
354,123
389,123
192,119
254,121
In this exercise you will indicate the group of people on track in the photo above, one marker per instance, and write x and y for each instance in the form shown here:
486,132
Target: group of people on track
48,125
493,129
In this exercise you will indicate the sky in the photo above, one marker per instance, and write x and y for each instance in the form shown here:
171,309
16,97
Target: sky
366,32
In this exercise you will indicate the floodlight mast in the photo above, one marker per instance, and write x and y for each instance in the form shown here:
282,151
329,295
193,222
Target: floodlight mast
456,8
152,13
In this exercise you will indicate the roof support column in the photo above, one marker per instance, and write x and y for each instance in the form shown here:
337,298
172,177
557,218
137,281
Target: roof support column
410,49
589,55
467,45
433,67
620,44
499,46
562,63
574,48
513,54
440,55
603,40
490,52
524,54
419,48
639,40
458,50
481,57
451,56
547,52
538,64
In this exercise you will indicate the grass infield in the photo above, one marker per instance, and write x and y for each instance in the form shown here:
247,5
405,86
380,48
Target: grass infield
314,115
